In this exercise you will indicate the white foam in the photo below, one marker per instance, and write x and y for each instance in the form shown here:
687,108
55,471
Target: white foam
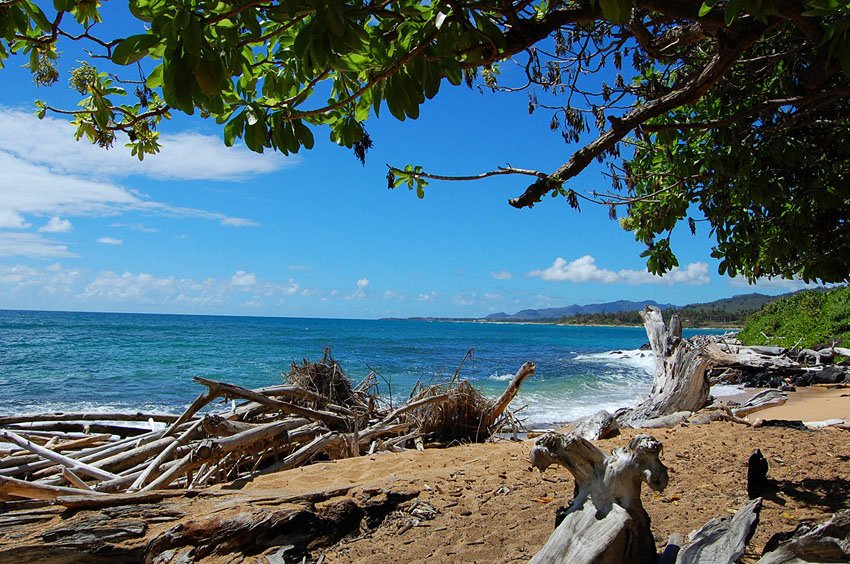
638,359
500,377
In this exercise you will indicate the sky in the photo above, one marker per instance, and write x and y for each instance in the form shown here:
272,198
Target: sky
205,229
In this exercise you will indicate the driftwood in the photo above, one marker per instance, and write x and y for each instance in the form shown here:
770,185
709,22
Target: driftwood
600,425
606,522
827,542
317,415
723,539
761,400
679,382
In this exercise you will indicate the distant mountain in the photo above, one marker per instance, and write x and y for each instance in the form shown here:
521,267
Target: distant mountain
553,313
727,310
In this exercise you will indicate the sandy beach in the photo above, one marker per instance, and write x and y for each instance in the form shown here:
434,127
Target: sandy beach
486,504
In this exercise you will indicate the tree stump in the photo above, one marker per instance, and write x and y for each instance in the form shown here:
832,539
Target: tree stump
606,522
679,383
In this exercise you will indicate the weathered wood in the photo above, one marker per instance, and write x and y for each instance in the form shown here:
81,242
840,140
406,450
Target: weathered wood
74,480
723,539
606,522
200,402
81,467
501,404
151,470
762,400
600,425
114,500
323,443
32,490
231,390
61,416
80,427
679,382
827,542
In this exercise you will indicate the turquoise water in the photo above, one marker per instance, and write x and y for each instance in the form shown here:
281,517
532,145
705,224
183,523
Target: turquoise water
61,361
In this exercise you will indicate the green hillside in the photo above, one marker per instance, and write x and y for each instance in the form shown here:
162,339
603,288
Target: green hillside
728,312
802,320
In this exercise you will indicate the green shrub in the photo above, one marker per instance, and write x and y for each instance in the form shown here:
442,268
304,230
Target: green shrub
801,320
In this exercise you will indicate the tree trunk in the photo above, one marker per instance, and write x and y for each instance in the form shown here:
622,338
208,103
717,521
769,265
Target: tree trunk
680,382
606,522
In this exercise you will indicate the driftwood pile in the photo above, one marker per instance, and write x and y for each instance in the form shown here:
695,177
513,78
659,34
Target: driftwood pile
317,414
775,367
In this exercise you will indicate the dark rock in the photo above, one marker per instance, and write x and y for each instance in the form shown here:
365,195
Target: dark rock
757,480
829,375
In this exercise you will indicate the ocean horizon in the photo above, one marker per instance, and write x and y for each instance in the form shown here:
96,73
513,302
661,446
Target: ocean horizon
104,361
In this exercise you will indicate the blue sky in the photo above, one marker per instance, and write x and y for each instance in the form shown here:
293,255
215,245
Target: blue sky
201,228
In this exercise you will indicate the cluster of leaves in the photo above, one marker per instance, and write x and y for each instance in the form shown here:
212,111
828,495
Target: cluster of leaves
763,158
690,316
804,319
732,112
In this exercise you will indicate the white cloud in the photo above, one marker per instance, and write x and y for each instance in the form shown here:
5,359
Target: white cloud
184,156
135,227
394,295
428,297
493,297
242,279
110,241
361,292
31,245
128,290
47,173
301,267
584,269
56,225
501,275
10,219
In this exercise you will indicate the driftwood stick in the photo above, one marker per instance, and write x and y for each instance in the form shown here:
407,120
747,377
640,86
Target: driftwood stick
80,427
414,405
31,490
499,406
305,453
59,416
151,470
75,480
230,390
200,402
180,468
81,467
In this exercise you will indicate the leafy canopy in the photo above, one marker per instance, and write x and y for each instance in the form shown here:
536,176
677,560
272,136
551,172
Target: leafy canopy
730,112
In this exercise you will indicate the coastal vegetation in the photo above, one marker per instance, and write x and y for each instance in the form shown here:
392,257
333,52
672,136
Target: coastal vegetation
730,112
802,320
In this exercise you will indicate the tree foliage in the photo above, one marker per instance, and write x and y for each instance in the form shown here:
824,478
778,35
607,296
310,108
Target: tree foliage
802,320
732,112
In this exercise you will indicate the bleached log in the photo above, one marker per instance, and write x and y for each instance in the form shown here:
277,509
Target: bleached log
200,402
31,490
81,467
722,539
606,522
679,382
501,404
826,542
600,425
60,416
151,470
74,480
323,443
761,400
230,390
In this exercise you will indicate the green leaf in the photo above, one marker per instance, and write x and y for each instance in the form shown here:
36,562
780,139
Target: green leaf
133,49
733,8
192,36
617,11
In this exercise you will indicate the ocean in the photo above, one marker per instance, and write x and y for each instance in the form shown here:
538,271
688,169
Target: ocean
100,362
